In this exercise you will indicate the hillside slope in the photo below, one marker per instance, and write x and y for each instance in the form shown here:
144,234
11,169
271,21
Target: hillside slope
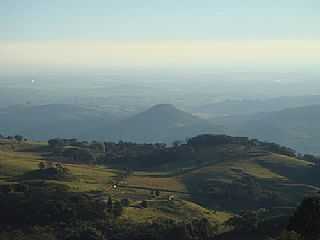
53,120
19,162
294,127
220,172
161,123
253,106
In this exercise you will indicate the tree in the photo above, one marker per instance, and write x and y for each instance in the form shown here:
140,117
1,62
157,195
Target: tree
157,193
117,209
247,221
60,168
56,145
56,142
109,204
82,155
144,204
49,164
42,165
176,144
125,202
18,138
85,155
306,219
98,147
152,193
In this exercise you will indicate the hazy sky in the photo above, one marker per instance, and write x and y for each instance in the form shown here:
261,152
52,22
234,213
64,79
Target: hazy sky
97,34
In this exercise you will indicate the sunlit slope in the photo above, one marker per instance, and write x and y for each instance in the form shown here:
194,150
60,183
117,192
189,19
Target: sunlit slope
18,160
253,182
14,164
236,181
173,210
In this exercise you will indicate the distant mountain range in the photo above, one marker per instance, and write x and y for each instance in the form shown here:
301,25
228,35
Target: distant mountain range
163,123
298,127
251,106
52,120
160,123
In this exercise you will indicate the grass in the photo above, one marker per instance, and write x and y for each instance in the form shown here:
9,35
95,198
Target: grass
15,161
14,164
142,215
260,167
283,175
87,178
256,170
174,210
169,183
285,161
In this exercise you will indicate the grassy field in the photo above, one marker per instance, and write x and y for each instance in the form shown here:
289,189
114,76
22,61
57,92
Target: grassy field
86,178
16,160
169,183
285,176
179,209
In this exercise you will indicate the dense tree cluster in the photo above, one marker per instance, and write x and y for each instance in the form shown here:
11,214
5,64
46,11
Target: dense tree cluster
213,140
310,158
18,138
148,156
49,170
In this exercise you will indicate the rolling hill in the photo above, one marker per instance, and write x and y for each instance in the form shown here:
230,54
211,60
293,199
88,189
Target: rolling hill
211,177
223,176
253,106
18,160
48,121
233,177
294,127
161,123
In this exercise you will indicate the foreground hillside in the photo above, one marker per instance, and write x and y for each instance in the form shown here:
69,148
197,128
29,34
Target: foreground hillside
219,172
21,172
210,177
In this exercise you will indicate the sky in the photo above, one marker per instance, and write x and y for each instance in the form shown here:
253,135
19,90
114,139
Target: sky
106,34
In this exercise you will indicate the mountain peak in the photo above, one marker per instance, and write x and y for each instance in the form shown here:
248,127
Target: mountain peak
163,107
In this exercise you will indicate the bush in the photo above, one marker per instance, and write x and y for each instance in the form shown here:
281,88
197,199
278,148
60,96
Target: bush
306,219
125,202
144,204
18,138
